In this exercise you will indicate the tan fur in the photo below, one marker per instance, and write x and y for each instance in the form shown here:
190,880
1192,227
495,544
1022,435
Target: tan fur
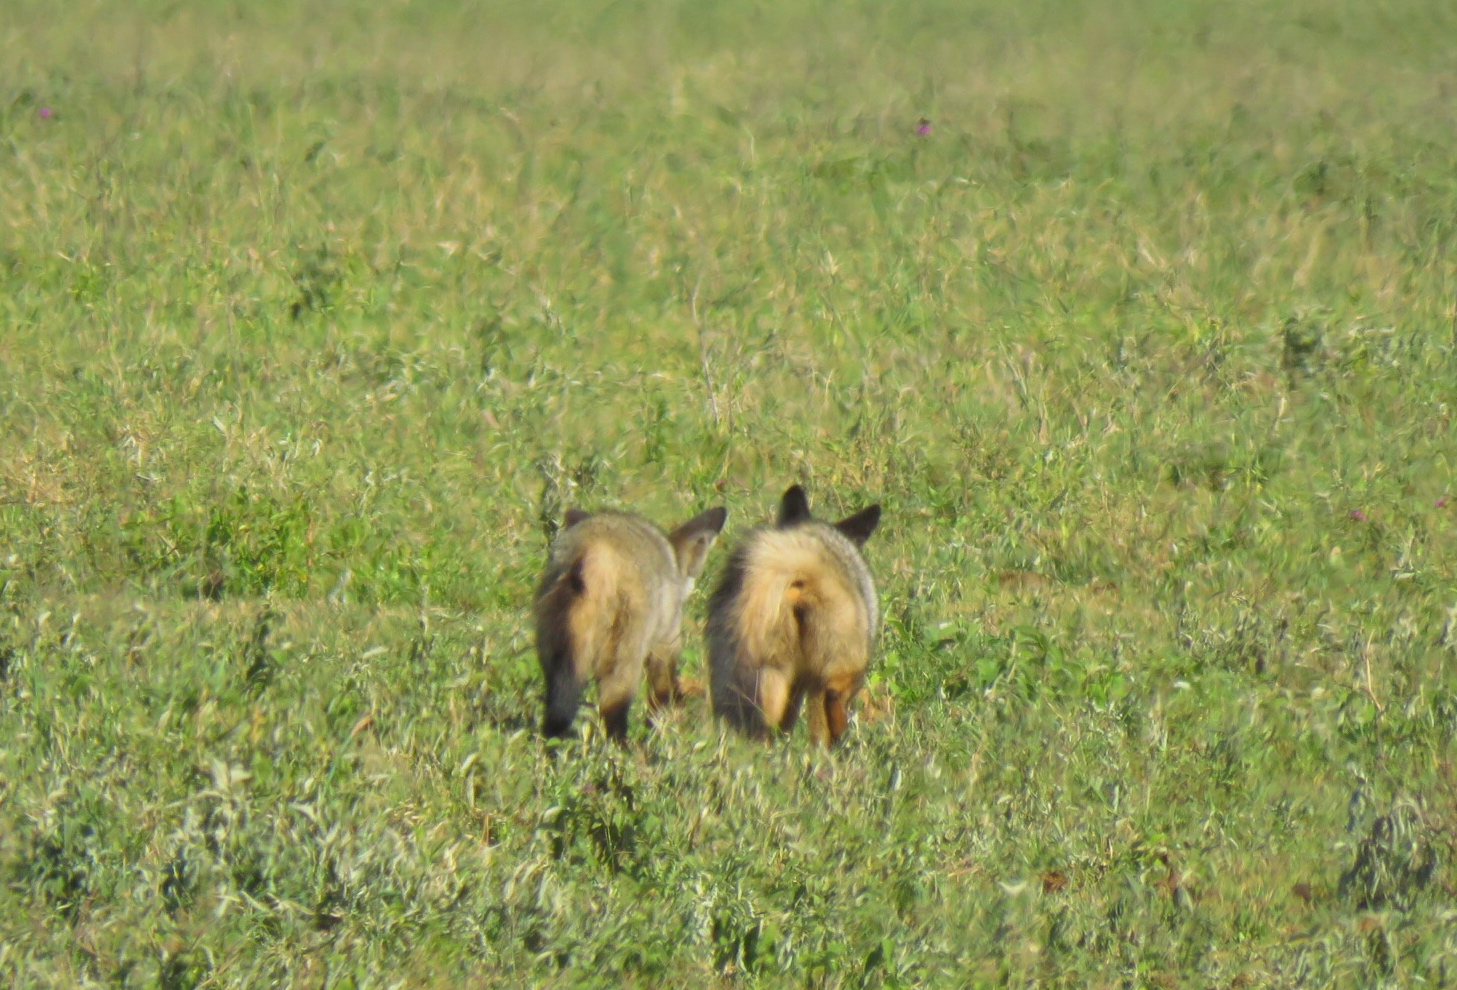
792,621
610,603
789,570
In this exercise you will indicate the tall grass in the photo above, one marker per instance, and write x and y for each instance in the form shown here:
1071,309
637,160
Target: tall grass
316,316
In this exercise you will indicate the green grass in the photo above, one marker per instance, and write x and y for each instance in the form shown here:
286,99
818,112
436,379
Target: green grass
316,316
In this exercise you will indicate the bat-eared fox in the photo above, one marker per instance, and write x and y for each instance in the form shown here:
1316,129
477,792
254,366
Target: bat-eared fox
792,620
611,600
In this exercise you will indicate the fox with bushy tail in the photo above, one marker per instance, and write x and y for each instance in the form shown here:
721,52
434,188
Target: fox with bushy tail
610,603
792,622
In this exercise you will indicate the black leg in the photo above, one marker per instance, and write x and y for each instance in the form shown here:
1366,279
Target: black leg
614,720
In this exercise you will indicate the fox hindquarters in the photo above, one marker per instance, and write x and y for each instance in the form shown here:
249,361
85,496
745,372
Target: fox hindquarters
792,621
611,600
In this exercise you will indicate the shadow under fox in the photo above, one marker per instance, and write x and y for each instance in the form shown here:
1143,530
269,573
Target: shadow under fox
610,603
792,621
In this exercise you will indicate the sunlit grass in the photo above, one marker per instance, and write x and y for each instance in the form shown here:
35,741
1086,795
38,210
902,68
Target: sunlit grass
317,316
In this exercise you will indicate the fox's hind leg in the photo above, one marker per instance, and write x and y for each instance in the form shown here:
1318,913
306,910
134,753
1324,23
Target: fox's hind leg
615,692
827,717
829,710
819,723
614,719
558,654
663,686
791,710
835,715
563,696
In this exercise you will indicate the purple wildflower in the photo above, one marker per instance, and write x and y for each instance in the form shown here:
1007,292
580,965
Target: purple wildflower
1358,515
45,113
1442,502
923,128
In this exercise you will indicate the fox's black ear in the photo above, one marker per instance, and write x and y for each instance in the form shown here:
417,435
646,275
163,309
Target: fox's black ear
692,540
793,507
574,516
859,526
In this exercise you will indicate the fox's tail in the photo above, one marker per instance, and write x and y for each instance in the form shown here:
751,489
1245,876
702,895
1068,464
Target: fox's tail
785,588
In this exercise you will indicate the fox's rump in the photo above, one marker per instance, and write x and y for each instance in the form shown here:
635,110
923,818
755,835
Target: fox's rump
610,604
578,626
598,607
793,609
792,623
797,607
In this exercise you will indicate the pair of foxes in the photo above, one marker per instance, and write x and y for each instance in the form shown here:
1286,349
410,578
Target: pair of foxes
792,619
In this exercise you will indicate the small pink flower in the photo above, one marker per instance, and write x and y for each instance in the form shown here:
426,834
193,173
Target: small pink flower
45,113
1358,515
1442,502
924,127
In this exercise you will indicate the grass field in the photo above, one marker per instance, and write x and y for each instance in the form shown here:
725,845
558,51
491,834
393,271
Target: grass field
314,317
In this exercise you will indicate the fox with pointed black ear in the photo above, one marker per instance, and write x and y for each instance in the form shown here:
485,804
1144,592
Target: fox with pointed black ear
610,602
792,622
